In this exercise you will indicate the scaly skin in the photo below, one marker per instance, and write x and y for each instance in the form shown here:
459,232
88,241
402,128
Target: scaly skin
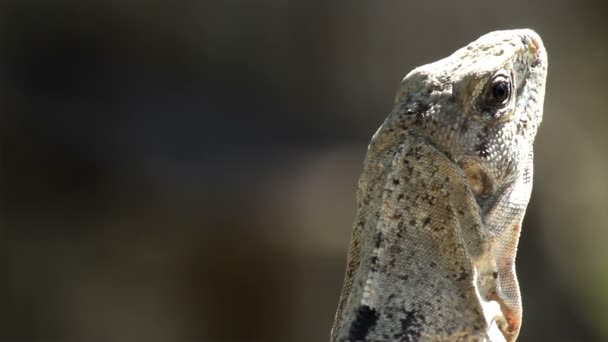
443,193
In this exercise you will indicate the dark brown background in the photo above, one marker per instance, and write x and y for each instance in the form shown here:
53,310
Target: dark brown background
186,171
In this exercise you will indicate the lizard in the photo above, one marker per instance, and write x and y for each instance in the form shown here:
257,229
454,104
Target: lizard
440,202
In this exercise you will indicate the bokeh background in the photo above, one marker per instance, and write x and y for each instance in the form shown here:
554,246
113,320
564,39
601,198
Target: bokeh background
186,171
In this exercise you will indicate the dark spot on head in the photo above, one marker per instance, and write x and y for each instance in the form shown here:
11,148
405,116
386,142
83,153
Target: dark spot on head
395,181
403,277
523,123
426,221
495,275
365,319
438,228
535,63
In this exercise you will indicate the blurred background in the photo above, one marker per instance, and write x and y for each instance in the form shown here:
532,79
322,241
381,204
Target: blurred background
186,171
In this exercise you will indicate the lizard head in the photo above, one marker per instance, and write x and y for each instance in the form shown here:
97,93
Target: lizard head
481,106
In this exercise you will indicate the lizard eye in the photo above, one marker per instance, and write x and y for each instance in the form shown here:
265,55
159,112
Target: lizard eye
500,91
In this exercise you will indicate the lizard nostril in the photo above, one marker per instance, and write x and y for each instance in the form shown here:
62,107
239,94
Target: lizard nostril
532,43
535,44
